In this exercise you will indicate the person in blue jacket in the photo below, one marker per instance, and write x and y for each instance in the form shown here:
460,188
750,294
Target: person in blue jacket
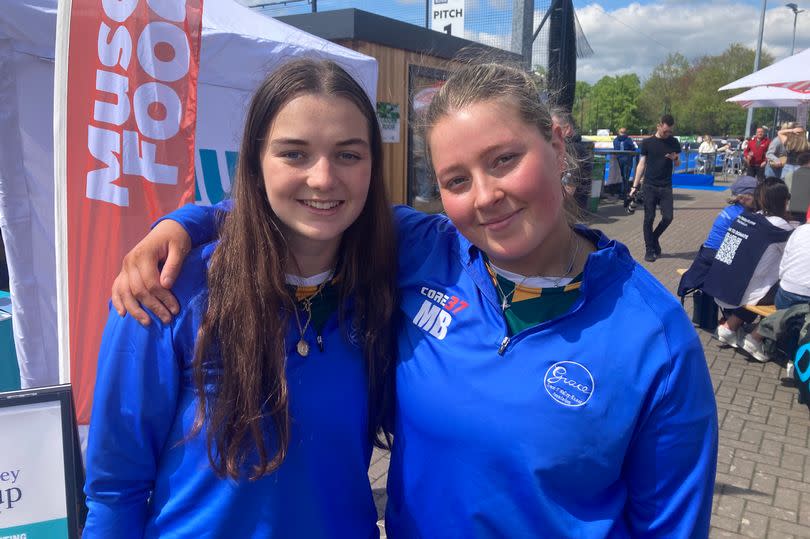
253,412
742,199
546,384
624,143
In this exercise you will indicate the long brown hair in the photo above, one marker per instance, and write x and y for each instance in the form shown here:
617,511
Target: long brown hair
249,307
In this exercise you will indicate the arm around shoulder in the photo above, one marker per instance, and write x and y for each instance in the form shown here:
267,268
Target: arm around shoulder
199,222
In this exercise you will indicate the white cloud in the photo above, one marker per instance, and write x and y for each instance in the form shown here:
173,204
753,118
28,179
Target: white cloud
635,38
501,41
500,5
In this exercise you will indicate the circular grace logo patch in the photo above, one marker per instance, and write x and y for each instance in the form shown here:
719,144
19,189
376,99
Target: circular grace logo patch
569,383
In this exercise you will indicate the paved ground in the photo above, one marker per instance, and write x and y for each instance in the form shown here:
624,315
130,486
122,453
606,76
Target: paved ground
763,473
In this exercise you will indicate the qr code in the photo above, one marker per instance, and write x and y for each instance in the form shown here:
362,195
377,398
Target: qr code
728,248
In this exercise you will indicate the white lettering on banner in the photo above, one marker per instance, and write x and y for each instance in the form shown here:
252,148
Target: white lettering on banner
119,10
104,145
115,51
152,36
157,93
117,85
139,160
164,53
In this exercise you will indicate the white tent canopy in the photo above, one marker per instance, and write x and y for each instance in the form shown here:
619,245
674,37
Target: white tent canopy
769,96
792,72
239,47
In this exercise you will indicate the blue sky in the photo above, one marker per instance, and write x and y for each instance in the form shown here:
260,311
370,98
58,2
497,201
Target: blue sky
627,37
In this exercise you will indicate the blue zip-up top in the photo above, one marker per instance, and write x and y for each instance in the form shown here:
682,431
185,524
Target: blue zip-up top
144,480
600,423
720,226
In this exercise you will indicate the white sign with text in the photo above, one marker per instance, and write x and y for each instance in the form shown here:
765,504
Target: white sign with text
32,470
447,16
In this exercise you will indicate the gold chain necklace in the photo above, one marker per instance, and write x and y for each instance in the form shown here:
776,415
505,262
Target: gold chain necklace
303,346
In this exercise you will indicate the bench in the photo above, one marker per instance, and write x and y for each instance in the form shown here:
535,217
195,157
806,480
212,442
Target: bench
761,310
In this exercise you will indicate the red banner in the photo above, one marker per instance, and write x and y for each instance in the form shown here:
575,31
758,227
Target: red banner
131,114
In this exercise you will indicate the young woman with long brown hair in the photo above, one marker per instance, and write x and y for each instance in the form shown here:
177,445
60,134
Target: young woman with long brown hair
253,413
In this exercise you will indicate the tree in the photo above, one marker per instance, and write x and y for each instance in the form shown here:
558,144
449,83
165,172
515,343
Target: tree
609,104
582,93
660,92
688,91
616,99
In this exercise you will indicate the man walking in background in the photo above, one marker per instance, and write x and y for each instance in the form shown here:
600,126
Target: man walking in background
625,144
754,155
660,154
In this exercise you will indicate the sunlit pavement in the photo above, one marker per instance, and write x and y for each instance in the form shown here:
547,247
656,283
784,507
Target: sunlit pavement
763,473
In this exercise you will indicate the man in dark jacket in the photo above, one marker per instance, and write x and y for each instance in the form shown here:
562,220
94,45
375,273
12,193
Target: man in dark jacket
624,143
754,154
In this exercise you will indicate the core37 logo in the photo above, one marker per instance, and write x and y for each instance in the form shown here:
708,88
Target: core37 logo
434,315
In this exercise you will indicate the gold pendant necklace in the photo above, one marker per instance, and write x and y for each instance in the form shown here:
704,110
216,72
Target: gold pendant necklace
302,347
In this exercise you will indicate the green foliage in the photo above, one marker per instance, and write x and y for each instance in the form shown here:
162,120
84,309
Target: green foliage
661,93
687,90
609,104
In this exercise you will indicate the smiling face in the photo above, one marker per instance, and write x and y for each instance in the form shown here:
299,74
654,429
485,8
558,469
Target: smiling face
316,165
500,183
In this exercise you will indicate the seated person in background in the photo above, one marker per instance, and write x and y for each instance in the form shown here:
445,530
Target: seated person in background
746,266
794,270
707,154
742,199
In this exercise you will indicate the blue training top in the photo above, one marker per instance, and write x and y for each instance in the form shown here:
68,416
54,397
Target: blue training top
600,423
720,226
143,480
